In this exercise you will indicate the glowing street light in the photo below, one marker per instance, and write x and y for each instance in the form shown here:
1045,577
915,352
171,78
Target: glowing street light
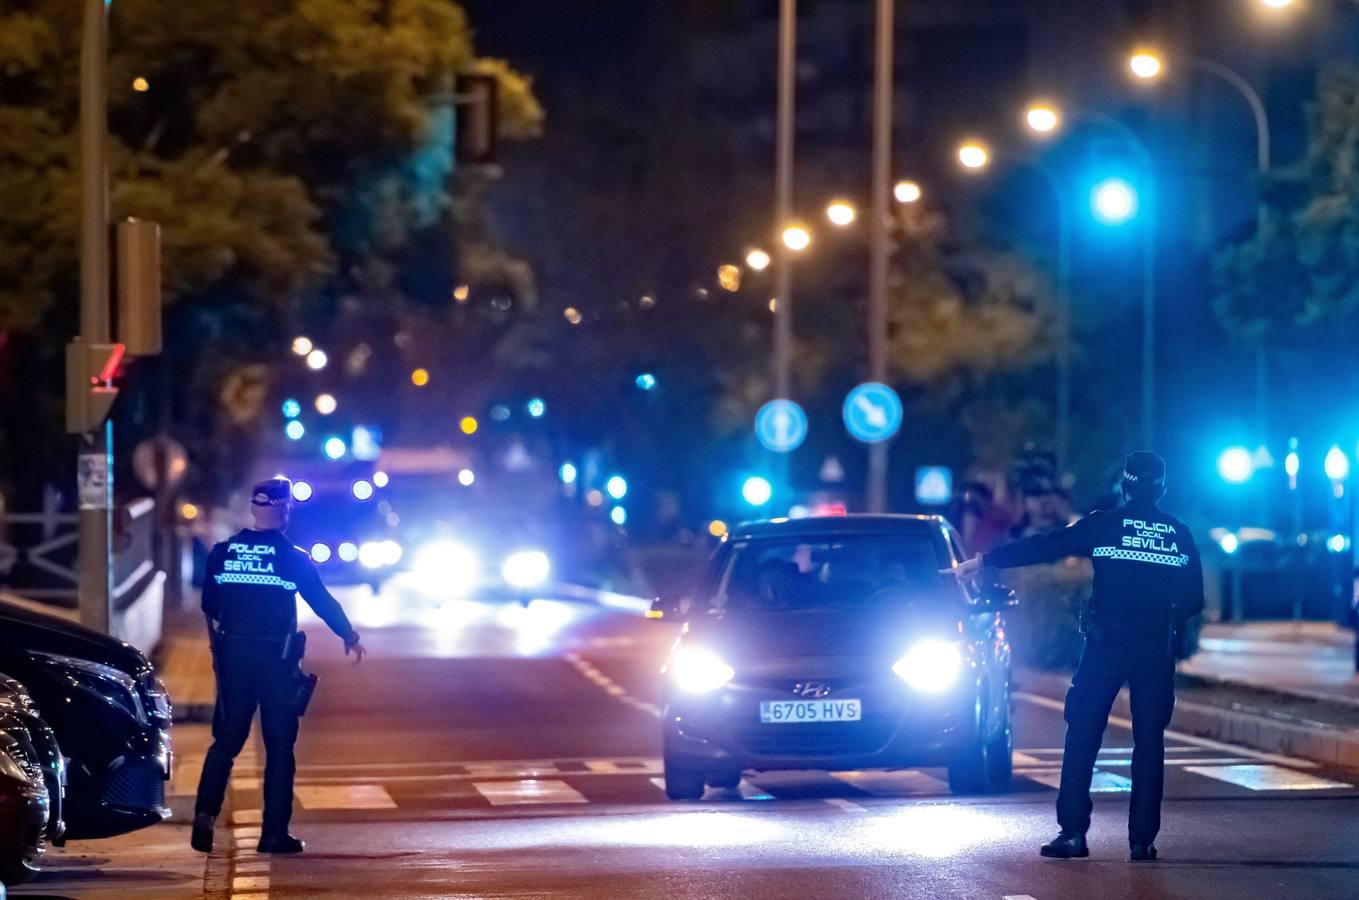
974,155
758,260
906,192
302,345
469,425
326,404
1235,465
729,277
316,360
1113,201
141,85
1145,65
420,377
841,213
797,238
1042,118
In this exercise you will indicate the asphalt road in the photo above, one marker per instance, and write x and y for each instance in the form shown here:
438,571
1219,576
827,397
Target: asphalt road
500,751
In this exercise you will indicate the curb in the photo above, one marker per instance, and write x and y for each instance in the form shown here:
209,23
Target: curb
1317,742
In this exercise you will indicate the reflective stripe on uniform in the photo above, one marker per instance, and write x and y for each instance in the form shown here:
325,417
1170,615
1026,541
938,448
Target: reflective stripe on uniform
1142,556
261,580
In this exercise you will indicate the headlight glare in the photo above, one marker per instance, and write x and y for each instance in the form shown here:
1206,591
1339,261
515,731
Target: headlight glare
526,569
697,671
448,567
931,665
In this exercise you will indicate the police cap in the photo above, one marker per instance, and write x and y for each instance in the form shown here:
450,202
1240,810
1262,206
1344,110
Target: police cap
1145,472
277,491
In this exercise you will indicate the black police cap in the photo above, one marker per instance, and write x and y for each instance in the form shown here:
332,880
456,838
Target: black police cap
276,491
1144,467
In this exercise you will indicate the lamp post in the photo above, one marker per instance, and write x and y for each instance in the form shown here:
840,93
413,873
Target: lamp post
876,487
783,202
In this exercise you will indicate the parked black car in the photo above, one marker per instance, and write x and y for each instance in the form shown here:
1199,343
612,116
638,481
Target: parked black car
19,715
23,806
835,643
110,714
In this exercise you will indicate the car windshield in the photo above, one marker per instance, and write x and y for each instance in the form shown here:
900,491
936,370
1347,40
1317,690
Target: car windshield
831,573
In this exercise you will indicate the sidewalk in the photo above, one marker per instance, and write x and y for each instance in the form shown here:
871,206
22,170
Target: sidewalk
1309,659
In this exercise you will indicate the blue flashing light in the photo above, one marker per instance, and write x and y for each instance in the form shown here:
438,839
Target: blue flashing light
646,381
619,515
1229,543
1292,464
1338,543
617,487
568,473
1337,464
1114,201
302,491
1235,465
334,448
757,491
291,408
362,489
294,430
536,407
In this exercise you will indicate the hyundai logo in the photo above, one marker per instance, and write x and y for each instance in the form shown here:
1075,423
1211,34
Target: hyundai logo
812,690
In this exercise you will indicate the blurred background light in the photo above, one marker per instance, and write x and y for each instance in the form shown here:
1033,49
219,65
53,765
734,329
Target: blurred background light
756,490
316,360
334,448
1234,465
291,408
294,430
617,486
1113,201
302,491
326,404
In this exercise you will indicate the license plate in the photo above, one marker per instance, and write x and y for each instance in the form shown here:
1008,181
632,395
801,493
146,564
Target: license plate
780,712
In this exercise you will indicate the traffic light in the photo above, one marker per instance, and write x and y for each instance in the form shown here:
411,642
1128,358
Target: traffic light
137,261
90,370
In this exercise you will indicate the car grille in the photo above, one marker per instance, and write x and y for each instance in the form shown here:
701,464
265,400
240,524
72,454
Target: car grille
826,739
138,784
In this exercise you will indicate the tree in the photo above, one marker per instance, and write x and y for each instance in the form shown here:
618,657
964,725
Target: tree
1295,280
291,150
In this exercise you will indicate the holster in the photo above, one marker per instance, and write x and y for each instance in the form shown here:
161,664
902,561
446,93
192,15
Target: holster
306,686
295,647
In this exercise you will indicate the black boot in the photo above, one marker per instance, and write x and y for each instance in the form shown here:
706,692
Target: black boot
1142,852
201,839
281,843
1066,845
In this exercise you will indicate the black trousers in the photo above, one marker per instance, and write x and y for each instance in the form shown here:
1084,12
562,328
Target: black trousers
251,674
1150,675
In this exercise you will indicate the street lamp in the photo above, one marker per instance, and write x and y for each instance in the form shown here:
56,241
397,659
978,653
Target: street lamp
797,238
973,155
906,192
841,213
758,260
1145,64
1042,118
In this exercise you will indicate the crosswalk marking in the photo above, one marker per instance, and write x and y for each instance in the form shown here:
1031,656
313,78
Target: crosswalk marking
1266,778
350,796
1102,783
528,791
893,784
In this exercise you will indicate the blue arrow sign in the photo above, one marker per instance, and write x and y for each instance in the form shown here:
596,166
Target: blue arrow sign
872,412
781,426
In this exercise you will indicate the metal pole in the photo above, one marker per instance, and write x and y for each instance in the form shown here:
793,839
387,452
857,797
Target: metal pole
783,203
95,554
878,247
1149,318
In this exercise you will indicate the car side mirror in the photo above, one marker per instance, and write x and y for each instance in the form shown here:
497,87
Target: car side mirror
995,597
666,608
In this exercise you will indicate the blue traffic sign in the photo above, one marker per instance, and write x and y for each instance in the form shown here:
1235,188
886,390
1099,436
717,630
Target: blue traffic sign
872,412
933,485
781,426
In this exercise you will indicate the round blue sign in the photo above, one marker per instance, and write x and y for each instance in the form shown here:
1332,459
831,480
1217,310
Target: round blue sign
781,426
872,412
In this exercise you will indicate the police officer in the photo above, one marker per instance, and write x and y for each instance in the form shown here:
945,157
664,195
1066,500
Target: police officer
1148,583
249,596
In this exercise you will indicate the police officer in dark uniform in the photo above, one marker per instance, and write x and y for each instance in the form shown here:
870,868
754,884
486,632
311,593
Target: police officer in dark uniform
249,597
1148,584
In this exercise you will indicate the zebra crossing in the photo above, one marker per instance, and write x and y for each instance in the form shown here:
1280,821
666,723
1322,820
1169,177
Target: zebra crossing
519,785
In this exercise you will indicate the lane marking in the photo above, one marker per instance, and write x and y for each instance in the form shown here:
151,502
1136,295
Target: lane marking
249,883
846,805
489,771
1016,897
245,784
1220,746
353,796
1267,778
247,816
531,791
1020,758
610,687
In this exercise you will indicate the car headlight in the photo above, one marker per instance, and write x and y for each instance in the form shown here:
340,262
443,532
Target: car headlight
526,568
448,567
114,686
376,554
931,665
11,761
698,671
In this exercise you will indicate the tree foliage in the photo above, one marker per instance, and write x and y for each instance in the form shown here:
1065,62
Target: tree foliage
1298,278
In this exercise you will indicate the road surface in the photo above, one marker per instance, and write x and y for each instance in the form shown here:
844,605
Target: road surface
499,751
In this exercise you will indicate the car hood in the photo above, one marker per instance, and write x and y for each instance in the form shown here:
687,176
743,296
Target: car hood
747,638
26,630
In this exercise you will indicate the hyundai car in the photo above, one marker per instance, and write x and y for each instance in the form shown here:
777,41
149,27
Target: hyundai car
835,643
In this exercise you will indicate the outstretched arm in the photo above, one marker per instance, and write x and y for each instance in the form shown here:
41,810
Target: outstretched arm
1076,539
324,604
